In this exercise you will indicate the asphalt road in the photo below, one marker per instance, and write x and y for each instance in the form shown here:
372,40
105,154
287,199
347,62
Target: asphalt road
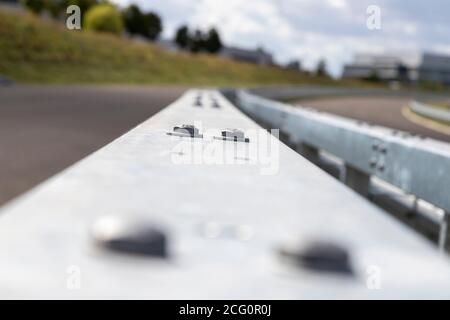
384,111
44,129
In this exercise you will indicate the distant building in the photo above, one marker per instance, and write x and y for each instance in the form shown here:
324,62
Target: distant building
294,65
380,67
429,67
435,68
258,56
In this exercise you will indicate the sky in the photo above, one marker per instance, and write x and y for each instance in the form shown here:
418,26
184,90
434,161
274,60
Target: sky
309,30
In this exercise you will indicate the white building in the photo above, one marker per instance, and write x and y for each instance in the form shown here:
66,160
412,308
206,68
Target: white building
382,67
435,68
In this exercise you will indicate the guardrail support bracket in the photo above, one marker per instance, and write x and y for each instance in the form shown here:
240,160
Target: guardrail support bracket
357,180
309,152
443,232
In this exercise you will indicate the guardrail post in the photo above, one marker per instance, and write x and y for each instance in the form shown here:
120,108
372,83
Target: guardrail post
357,180
443,232
309,152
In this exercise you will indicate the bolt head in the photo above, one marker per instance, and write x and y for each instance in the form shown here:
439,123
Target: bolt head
187,129
320,256
233,133
375,145
133,236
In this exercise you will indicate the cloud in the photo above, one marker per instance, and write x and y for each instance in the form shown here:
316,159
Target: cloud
310,30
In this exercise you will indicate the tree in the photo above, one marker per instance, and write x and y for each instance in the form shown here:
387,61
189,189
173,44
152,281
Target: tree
133,17
105,18
213,44
36,6
197,41
322,68
152,25
55,7
148,24
182,37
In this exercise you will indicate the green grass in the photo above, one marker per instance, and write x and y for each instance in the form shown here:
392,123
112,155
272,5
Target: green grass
36,50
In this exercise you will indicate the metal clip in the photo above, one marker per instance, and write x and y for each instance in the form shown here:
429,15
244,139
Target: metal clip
186,130
233,135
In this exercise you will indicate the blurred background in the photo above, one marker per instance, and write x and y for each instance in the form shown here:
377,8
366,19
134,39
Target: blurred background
73,80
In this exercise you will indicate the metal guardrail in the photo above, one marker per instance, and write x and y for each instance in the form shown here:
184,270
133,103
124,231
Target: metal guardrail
417,165
429,111
284,93
134,220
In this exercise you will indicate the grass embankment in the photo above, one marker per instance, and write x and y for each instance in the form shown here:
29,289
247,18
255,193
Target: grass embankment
36,50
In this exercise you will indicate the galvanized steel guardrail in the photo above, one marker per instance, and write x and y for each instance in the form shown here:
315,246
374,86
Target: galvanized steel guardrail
286,93
430,111
418,165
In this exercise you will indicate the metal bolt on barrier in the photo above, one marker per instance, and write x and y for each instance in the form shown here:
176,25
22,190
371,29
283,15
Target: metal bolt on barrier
130,236
320,256
186,130
375,145
235,135
198,101
215,104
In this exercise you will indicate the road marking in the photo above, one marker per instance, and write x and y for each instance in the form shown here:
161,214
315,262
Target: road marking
425,122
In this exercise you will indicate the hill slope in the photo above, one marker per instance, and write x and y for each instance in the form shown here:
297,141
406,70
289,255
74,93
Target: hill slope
35,50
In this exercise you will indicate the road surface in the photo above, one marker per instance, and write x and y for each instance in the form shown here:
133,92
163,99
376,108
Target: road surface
44,129
384,111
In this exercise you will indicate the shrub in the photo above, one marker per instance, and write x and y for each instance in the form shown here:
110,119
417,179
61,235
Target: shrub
105,18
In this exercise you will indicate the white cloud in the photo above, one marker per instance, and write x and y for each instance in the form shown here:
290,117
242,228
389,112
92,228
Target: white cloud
339,4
